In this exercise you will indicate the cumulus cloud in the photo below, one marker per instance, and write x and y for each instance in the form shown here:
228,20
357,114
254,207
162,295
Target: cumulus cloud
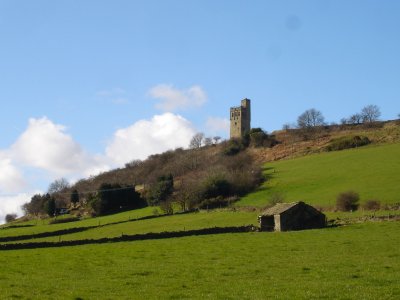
172,99
216,125
47,146
12,204
11,179
146,137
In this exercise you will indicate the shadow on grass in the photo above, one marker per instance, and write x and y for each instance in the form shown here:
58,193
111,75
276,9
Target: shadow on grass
135,237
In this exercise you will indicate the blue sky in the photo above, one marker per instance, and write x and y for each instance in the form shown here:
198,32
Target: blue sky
83,82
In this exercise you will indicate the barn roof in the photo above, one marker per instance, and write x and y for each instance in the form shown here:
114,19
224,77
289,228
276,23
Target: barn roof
279,208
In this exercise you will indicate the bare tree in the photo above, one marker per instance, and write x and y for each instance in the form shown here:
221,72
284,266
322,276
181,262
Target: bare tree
208,141
196,141
370,113
356,119
58,185
286,126
133,163
310,118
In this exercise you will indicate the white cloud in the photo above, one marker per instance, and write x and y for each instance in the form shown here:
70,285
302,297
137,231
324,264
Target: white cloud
216,125
12,204
11,179
172,99
45,145
146,137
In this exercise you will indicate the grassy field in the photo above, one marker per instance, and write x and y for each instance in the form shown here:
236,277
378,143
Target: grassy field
40,226
373,172
357,261
350,262
182,222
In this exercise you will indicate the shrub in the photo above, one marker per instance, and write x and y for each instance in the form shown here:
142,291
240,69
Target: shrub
212,203
232,147
10,218
114,197
260,138
276,198
347,142
166,207
74,197
347,201
214,186
161,190
372,205
64,220
50,206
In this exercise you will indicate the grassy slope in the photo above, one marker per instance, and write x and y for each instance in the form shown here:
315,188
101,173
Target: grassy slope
373,172
352,262
166,223
358,261
40,226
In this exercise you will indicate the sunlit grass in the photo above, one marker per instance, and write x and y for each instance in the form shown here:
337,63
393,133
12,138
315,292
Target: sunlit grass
373,172
351,262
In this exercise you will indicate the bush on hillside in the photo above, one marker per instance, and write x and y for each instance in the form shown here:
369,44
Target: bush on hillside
348,142
114,197
216,186
217,202
260,138
64,220
167,207
37,205
232,147
50,207
161,190
372,205
74,197
347,201
277,198
10,218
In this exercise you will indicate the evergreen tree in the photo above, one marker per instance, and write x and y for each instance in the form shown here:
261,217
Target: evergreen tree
50,205
75,197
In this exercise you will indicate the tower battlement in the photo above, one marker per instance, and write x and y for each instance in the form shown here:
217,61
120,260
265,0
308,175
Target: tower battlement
240,119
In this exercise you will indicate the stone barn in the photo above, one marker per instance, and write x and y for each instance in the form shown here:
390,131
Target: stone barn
291,216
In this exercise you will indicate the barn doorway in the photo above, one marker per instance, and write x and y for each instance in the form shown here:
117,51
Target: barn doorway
268,223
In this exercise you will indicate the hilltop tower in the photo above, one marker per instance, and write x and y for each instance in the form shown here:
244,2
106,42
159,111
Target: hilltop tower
240,119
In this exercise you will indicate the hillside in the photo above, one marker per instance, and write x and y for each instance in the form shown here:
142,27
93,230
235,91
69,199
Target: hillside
291,143
298,165
372,171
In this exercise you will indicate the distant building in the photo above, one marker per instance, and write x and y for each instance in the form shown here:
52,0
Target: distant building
291,216
240,119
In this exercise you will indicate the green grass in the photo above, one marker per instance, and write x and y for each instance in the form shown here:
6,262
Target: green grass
358,261
350,262
166,223
39,226
373,172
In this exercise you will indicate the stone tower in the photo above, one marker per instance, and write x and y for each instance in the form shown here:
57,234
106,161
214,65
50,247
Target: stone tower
240,119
